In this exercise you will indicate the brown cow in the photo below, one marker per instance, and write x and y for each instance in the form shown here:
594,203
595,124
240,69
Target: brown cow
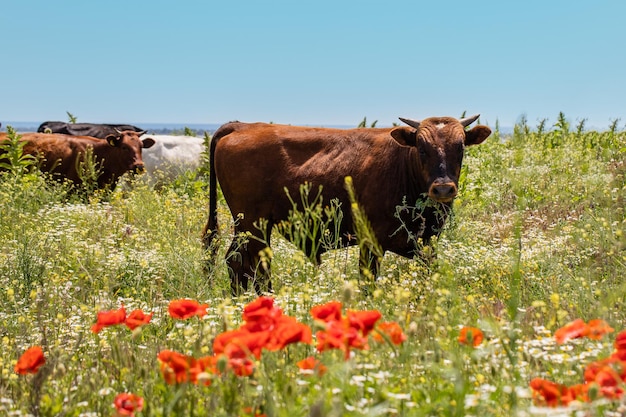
392,168
60,154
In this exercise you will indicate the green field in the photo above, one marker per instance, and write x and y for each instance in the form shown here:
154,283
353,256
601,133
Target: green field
538,239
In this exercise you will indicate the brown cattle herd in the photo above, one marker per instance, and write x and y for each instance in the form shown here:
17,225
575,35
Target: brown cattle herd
404,178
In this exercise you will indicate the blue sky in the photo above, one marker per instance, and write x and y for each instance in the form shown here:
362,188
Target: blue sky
312,62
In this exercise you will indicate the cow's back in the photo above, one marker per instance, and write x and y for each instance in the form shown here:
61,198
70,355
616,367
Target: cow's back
58,152
257,163
296,154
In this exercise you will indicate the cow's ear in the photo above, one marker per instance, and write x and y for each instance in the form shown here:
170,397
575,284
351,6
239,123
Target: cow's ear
148,142
477,135
404,136
113,140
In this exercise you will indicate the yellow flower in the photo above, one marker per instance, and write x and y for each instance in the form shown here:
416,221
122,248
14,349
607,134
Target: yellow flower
554,299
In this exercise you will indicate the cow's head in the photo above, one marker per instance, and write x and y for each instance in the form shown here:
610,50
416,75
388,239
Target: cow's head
440,143
128,147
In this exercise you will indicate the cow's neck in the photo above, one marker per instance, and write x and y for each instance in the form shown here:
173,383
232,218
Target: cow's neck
415,184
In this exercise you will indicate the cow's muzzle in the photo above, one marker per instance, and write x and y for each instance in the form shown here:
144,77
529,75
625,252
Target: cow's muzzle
138,169
443,192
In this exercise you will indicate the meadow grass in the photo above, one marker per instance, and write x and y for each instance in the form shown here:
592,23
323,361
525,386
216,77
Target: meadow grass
537,240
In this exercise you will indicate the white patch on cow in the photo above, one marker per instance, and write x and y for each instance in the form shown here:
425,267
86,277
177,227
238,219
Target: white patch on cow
440,126
172,155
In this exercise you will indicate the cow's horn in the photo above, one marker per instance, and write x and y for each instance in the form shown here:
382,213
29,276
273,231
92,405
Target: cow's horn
119,132
469,120
412,123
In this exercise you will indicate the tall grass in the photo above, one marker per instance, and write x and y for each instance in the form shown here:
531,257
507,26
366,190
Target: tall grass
537,239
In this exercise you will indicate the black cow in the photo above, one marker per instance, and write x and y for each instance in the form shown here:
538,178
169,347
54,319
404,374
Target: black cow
95,130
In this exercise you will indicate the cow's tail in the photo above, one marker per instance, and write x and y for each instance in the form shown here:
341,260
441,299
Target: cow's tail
211,230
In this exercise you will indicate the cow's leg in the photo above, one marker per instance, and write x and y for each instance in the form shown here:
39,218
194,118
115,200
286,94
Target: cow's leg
263,261
209,242
248,259
235,260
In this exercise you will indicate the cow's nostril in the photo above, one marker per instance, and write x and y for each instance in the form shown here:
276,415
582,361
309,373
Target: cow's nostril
443,192
139,169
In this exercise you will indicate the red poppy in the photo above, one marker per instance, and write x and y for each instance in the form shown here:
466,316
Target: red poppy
345,333
206,365
265,328
137,318
313,364
579,392
175,367
288,330
573,330
549,393
261,314
340,335
609,374
238,346
598,328
333,337
610,383
363,320
30,361
612,362
224,338
471,335
240,340
128,404
241,366
109,318
184,309
619,354
620,346
330,311
392,330
246,344
620,340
